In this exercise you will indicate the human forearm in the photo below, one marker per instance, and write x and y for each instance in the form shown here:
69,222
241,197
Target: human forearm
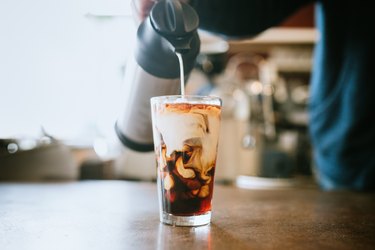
243,18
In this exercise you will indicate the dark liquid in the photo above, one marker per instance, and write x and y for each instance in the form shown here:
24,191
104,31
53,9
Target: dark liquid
187,196
186,174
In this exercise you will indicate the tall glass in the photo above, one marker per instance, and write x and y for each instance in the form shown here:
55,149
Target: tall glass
186,134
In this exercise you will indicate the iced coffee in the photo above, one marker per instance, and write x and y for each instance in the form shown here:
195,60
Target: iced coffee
186,133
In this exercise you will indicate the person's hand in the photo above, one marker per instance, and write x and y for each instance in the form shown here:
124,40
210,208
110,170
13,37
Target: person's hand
141,8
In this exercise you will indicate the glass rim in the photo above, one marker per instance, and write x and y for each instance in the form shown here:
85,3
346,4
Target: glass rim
199,99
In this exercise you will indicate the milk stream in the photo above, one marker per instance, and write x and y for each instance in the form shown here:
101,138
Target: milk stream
182,77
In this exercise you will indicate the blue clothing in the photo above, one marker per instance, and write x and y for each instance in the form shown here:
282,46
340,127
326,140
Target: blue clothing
342,101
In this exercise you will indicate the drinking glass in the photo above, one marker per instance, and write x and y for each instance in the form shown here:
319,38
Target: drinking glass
186,134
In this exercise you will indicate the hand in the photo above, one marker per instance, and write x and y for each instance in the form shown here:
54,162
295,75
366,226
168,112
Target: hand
141,8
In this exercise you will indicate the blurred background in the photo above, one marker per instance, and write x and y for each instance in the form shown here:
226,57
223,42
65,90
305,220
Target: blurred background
62,67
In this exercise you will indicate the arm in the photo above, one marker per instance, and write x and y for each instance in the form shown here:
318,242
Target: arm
243,18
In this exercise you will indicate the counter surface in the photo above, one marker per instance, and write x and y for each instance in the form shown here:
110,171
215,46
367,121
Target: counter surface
124,215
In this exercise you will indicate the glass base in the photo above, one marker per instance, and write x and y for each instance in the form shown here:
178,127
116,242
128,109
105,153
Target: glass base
185,221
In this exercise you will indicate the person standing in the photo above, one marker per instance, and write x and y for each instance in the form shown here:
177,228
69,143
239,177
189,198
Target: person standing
342,93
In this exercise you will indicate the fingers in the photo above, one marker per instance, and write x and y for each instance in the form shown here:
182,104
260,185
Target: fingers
141,8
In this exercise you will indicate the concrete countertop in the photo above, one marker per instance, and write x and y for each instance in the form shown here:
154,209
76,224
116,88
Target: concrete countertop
124,215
